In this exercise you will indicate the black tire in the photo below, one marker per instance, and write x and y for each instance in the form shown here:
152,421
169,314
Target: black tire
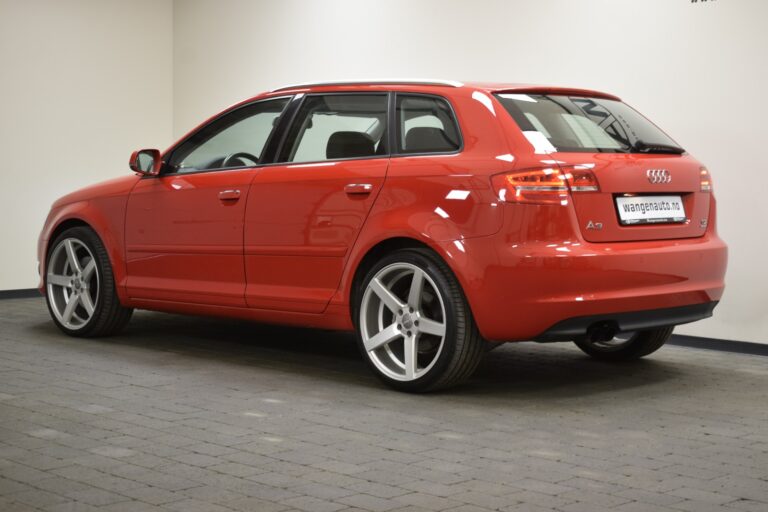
109,316
463,346
638,345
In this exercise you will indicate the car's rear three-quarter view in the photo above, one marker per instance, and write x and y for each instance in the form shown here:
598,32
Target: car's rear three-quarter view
435,218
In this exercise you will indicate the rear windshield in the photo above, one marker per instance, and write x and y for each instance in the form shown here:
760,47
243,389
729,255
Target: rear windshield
555,123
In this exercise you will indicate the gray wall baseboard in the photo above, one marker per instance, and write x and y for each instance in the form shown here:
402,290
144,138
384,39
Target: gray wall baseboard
24,293
739,347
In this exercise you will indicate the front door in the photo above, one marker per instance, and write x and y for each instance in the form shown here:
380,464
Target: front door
305,212
184,228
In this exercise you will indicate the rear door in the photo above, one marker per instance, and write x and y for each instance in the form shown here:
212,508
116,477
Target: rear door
305,211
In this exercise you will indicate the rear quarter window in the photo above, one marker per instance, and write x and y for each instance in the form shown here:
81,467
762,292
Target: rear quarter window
426,124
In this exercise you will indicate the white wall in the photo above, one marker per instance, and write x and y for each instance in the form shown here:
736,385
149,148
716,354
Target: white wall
698,70
82,84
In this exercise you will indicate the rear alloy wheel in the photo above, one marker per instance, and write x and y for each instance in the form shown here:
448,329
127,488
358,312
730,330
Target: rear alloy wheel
80,287
414,324
626,346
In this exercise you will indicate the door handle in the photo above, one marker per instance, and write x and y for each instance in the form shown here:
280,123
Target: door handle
358,188
229,195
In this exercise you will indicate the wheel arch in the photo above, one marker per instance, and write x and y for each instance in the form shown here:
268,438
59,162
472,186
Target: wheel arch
387,246
64,225
376,252
85,214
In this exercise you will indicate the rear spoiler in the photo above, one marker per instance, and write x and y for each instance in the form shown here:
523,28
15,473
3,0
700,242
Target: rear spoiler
563,91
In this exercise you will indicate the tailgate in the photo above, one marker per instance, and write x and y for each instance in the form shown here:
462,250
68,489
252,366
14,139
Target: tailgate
635,183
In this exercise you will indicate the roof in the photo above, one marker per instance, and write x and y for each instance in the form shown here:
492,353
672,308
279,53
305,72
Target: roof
395,81
491,87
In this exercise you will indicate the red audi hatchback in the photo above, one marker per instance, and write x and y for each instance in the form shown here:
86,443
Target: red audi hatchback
434,218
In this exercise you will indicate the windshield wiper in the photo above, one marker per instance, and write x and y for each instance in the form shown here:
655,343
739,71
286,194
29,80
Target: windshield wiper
656,147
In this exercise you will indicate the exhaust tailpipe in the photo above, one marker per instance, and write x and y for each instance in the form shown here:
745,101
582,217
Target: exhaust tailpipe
602,331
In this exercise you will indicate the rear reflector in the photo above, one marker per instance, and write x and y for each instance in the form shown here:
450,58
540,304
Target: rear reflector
544,185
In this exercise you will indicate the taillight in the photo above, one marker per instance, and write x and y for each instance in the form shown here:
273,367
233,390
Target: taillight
582,179
546,185
539,186
705,179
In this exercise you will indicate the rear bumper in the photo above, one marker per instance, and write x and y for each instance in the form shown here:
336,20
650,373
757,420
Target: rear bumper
529,288
573,328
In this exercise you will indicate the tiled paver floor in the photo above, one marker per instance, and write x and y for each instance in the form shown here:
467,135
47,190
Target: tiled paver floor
195,414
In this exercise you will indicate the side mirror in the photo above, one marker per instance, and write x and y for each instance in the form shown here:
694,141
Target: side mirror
145,161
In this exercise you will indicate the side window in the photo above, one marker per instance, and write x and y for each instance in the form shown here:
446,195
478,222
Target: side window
235,140
426,125
334,126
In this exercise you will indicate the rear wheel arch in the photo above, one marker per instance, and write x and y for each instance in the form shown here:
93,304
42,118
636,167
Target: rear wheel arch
387,246
451,323
375,253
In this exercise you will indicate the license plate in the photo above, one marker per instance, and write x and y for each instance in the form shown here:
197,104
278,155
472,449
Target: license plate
650,209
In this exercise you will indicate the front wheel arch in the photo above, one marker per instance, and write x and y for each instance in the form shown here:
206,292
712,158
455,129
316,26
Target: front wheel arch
108,228
63,226
106,315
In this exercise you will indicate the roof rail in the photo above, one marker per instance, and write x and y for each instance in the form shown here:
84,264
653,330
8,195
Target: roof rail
411,81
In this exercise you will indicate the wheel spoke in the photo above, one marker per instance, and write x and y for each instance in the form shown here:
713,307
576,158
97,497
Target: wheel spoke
417,285
428,326
70,309
88,269
72,256
387,335
387,297
58,280
410,353
87,303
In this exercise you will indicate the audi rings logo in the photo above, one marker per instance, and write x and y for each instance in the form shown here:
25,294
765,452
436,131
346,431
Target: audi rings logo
658,176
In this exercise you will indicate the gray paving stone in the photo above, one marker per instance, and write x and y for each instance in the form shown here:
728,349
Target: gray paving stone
312,504
37,498
152,495
97,497
372,503
214,415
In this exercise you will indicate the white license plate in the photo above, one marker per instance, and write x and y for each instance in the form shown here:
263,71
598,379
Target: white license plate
650,209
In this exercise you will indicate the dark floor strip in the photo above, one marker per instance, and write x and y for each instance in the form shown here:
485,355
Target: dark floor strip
739,347
25,293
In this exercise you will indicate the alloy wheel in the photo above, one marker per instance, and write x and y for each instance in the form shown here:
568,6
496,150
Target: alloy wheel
403,321
72,283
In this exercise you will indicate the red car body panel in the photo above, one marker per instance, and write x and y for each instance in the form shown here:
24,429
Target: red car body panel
289,247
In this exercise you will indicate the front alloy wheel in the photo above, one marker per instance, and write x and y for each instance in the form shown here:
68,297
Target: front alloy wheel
415,327
80,285
72,283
